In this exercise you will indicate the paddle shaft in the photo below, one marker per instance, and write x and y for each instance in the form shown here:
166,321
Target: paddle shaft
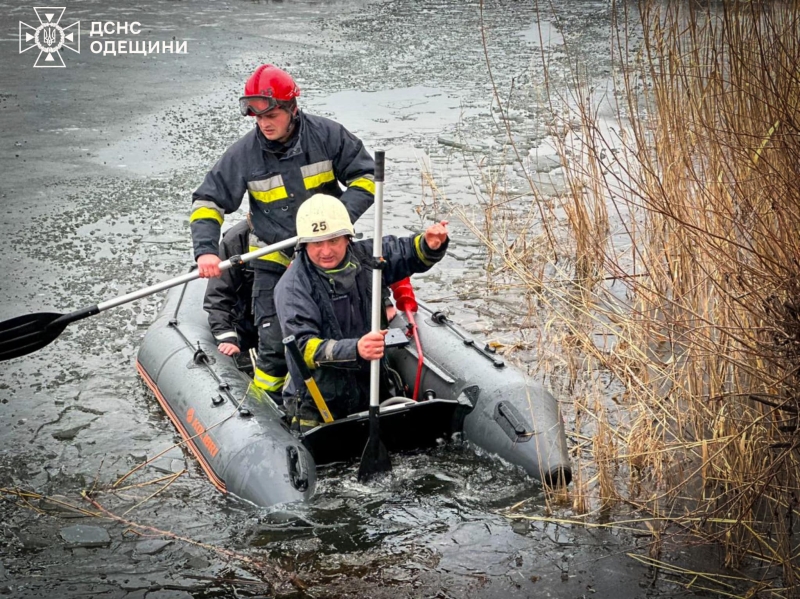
377,277
168,284
29,333
375,458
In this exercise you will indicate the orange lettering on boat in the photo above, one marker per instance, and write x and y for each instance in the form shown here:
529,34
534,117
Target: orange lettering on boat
210,445
200,431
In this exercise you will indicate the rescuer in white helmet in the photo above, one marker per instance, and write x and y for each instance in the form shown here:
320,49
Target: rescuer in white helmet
324,300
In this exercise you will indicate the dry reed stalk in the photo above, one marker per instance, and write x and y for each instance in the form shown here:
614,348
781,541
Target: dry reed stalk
183,442
272,574
604,457
671,270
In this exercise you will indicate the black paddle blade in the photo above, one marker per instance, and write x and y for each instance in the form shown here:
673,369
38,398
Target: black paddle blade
375,459
26,334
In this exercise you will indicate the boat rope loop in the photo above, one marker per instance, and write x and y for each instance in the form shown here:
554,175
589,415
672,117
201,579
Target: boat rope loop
487,351
201,358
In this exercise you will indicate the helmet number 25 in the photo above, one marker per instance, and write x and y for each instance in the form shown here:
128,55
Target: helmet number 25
320,226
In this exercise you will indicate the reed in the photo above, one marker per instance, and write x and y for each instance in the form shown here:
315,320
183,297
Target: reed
666,278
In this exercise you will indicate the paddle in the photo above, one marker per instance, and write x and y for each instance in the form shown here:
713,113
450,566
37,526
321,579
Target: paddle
26,334
375,458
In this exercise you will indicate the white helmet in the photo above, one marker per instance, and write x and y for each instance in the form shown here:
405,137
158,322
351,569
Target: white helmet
322,217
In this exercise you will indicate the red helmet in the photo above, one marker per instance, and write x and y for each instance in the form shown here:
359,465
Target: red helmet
266,88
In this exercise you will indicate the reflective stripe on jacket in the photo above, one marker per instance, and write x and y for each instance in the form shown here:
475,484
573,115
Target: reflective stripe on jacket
306,311
322,156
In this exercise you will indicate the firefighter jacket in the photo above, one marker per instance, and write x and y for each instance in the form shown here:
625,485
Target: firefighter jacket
277,179
327,327
229,298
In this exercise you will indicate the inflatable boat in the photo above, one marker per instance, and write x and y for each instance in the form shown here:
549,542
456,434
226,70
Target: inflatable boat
242,441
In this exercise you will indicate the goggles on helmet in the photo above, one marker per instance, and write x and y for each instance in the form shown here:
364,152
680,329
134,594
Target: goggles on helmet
256,105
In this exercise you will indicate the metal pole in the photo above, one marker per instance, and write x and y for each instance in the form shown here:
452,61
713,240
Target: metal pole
377,275
191,276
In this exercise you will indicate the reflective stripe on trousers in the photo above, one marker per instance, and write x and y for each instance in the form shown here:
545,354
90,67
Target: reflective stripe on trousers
267,382
271,370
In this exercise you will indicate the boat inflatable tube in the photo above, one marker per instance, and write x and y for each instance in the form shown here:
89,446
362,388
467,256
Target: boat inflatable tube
243,444
511,416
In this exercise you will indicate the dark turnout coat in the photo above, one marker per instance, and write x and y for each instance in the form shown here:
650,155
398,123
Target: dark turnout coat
277,179
327,327
229,298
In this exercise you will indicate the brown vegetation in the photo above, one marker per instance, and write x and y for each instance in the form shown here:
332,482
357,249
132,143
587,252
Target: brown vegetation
666,278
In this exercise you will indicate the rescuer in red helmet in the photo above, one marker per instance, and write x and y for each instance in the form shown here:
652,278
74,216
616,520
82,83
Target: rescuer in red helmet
286,158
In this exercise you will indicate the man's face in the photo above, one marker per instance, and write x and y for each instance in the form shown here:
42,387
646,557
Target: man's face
329,253
275,124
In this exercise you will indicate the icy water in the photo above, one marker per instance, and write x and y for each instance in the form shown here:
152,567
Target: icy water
99,161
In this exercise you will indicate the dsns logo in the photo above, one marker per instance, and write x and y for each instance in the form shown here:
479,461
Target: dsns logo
50,37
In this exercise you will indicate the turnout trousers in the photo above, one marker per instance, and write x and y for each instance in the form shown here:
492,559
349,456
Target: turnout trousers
270,372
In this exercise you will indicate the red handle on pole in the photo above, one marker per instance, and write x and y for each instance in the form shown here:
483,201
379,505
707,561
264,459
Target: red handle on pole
420,358
404,296
406,302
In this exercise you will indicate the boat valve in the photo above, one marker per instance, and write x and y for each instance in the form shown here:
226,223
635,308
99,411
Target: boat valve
429,394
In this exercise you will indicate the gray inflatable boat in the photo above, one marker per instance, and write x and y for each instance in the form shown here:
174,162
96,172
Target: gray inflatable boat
242,441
